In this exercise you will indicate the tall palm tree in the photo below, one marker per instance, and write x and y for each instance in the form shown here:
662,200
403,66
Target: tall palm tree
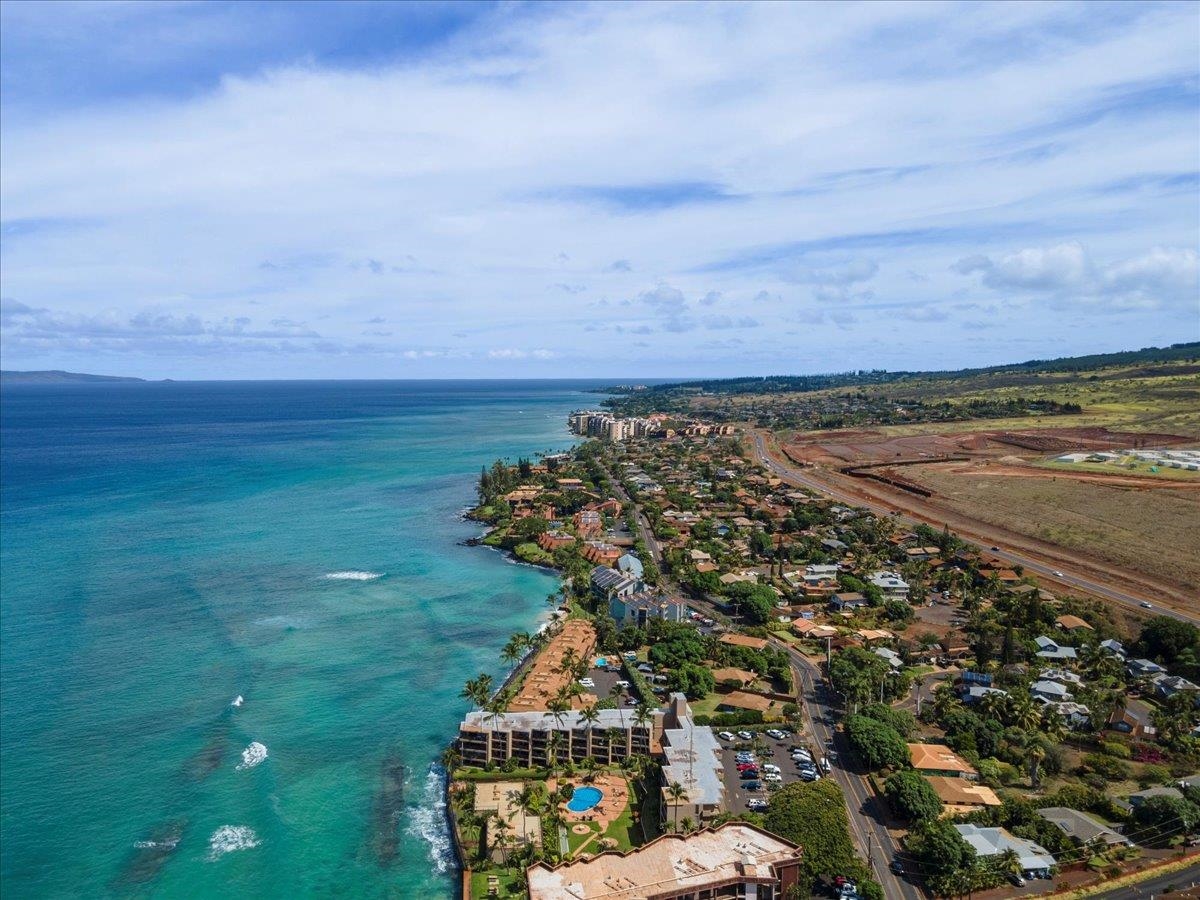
1054,726
676,792
590,716
991,706
478,690
451,758
498,705
1025,715
514,649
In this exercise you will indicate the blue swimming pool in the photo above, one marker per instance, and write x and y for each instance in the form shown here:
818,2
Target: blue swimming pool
584,799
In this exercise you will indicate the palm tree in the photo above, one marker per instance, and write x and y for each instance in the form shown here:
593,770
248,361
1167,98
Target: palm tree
502,828
514,649
451,758
992,706
1054,726
568,660
1024,715
498,705
688,824
1009,862
478,690
553,745
676,792
1035,753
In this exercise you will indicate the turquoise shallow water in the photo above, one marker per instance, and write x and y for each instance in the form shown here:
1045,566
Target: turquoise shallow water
165,548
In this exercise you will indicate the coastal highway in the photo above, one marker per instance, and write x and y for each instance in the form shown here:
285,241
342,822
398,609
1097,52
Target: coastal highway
866,822
799,477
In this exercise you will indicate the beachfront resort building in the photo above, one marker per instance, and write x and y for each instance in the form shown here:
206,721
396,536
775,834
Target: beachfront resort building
735,860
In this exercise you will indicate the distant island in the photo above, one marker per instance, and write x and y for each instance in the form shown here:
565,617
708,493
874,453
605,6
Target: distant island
57,376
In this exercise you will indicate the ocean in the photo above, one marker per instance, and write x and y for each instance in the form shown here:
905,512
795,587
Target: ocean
169,548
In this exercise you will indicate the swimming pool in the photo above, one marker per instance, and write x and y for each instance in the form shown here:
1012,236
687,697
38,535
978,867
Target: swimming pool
584,799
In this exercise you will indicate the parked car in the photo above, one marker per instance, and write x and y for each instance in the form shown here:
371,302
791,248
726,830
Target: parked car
772,778
748,774
756,805
725,735
769,767
742,767
645,667
587,682
809,776
746,735
752,785
825,767
1016,879
776,733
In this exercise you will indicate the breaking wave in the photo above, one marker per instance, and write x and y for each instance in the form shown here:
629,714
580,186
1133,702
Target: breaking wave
252,756
353,575
237,701
229,838
428,821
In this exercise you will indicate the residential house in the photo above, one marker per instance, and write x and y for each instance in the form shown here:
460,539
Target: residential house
639,608
588,523
740,701
891,657
847,601
607,583
1082,828
1034,860
1114,647
601,553
1049,692
1072,624
1133,719
555,540
1167,686
630,565
1048,648
937,759
1133,801
961,797
891,585
976,692
1076,715
1143,668
744,640
732,860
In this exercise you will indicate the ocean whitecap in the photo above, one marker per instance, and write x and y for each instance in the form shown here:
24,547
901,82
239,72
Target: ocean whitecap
228,838
237,701
252,756
428,821
353,575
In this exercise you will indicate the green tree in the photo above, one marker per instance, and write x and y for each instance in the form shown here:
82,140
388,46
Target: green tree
813,815
876,744
1167,817
1166,638
695,681
941,854
912,797
901,719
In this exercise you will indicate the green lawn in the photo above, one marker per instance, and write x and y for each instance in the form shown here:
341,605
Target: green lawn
575,841
510,883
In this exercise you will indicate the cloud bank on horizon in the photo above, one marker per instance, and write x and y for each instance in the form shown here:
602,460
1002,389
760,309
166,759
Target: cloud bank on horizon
379,190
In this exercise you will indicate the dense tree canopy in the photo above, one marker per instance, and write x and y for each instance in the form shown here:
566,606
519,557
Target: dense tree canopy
1165,638
756,601
876,744
912,797
813,815
900,719
695,681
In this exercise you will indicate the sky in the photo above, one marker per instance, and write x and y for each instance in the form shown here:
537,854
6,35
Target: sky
376,190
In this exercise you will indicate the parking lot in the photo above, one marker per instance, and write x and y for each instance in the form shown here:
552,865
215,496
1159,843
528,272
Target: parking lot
605,679
768,750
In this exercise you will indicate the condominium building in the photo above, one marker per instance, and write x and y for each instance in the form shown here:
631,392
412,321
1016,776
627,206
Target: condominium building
734,860
532,737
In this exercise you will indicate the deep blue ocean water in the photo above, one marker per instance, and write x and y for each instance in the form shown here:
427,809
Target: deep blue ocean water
166,548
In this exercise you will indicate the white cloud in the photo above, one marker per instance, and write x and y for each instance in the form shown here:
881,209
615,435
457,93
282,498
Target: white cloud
427,190
1162,276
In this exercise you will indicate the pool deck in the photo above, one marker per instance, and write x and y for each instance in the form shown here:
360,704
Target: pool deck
616,797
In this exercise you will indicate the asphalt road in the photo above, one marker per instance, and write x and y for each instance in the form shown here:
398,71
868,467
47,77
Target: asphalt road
1068,577
1154,887
866,821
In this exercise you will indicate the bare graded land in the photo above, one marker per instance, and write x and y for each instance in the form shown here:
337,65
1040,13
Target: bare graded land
1151,532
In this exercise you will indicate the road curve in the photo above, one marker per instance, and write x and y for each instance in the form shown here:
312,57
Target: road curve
1070,578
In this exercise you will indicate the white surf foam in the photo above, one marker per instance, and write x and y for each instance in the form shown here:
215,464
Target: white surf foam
427,820
353,576
229,838
237,701
252,756
148,845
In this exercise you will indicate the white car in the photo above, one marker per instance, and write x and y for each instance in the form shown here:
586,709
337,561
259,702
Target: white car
825,767
725,735
587,682
1058,574
745,735
1145,605
756,805
767,767
772,776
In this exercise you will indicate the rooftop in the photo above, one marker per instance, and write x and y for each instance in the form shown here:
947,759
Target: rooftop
670,864
939,758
